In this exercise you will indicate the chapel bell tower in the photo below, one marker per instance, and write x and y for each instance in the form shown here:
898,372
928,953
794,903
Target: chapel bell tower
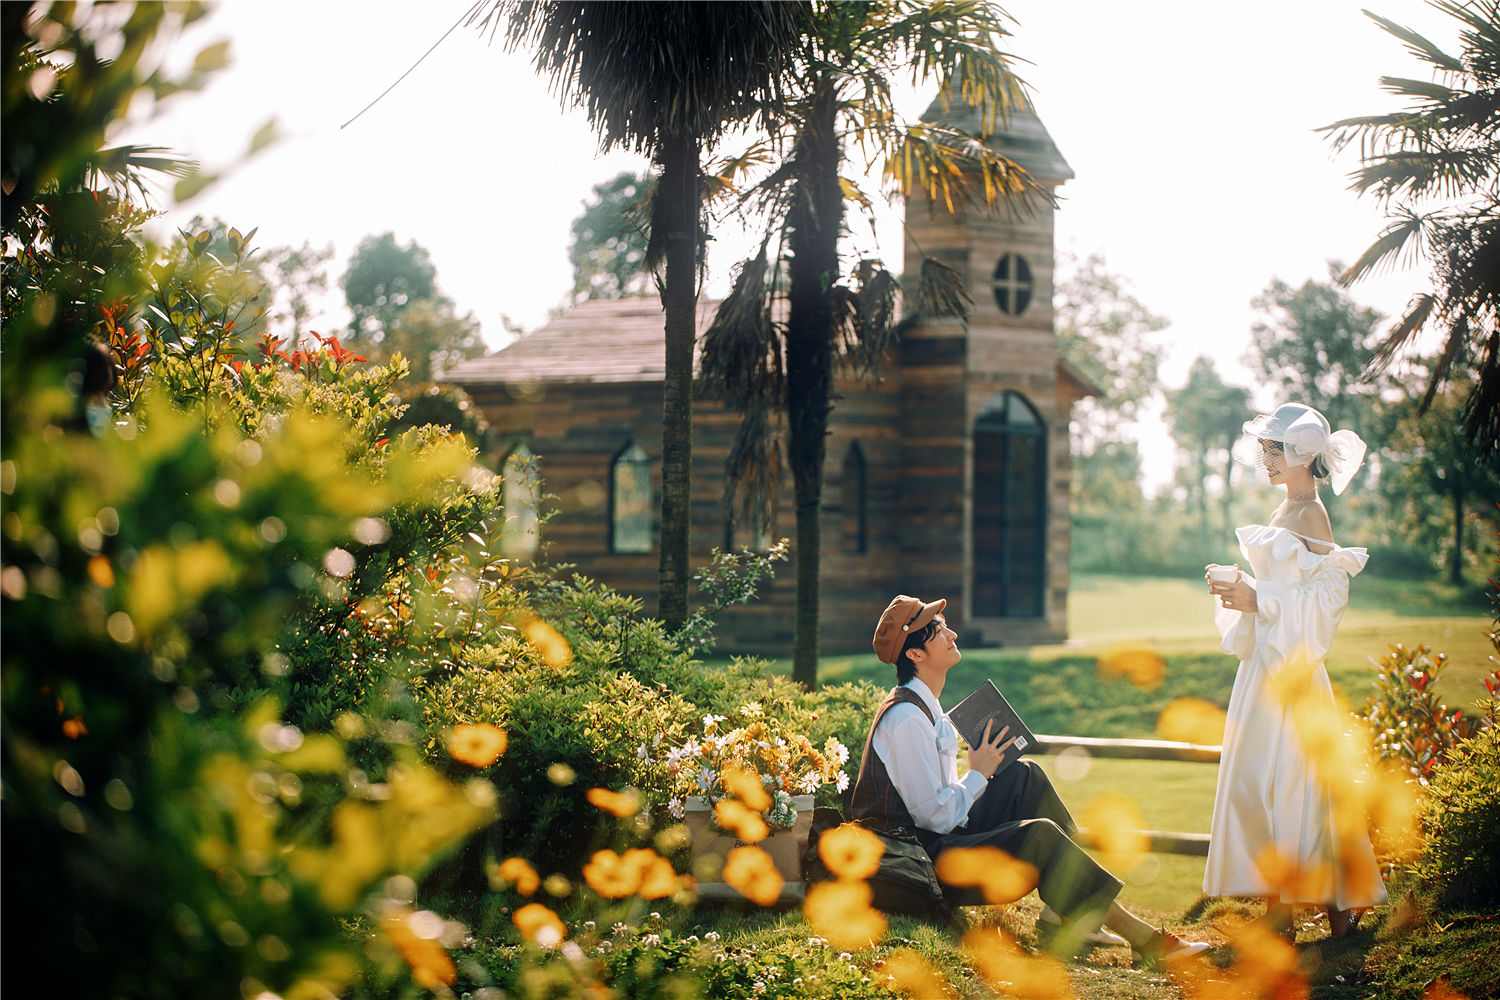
986,463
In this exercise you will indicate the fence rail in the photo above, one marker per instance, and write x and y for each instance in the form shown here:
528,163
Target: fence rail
1190,844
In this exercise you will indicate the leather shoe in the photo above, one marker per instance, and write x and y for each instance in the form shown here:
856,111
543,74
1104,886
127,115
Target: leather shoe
1165,946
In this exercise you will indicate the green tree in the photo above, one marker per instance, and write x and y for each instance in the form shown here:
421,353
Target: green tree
1432,457
1206,417
1105,332
841,93
296,278
1312,343
668,80
608,249
393,293
1435,167
383,279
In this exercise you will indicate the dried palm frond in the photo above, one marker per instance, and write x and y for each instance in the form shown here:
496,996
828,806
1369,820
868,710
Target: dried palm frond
957,169
942,291
866,316
752,471
741,360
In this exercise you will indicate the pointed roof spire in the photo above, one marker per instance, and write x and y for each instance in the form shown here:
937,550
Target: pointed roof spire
1021,136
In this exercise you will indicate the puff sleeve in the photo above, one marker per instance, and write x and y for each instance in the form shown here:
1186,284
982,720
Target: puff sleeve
1236,628
1298,620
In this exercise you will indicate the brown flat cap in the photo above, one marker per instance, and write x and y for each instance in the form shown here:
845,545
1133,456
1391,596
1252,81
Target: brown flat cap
902,616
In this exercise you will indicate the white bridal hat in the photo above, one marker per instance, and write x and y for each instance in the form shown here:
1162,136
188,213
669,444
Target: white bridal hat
1304,435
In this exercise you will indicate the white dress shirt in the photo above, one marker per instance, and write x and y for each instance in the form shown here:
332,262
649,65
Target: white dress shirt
922,759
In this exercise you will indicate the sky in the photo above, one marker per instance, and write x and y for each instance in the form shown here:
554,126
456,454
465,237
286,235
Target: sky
1190,127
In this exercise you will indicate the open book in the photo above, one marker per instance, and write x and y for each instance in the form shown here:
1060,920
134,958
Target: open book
985,703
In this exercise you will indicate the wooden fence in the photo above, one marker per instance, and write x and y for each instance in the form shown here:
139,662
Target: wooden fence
1192,844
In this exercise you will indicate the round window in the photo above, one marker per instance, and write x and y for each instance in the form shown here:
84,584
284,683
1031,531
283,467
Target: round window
1013,284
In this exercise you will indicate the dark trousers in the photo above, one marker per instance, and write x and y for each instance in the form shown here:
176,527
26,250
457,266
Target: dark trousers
1021,814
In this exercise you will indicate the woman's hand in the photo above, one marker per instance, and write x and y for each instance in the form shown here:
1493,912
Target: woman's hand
1235,596
986,757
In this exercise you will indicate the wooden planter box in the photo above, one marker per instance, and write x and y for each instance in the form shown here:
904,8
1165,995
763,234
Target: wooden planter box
784,846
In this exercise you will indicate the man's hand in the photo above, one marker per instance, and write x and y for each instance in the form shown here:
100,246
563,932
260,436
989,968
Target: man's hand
985,758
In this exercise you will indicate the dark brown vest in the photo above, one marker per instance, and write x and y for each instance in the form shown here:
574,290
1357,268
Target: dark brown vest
877,804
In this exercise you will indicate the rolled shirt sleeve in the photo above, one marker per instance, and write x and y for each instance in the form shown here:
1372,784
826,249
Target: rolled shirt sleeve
922,761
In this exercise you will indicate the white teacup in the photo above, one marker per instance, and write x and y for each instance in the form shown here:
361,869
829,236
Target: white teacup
1223,574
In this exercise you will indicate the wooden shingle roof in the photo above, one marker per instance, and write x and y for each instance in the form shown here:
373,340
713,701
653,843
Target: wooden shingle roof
600,340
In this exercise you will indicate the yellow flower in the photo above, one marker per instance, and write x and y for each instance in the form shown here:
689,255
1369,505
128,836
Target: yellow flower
608,875
915,976
744,823
519,873
430,965
850,851
1009,970
1002,878
476,744
539,924
1144,668
614,803
659,879
753,875
841,912
746,786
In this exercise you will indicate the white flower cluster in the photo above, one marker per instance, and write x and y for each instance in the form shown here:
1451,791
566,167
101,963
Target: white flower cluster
783,813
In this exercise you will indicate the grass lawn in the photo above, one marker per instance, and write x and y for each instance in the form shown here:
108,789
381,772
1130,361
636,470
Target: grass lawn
1175,618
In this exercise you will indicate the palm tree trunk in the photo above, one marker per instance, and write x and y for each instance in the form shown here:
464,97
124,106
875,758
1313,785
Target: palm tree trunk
677,215
812,237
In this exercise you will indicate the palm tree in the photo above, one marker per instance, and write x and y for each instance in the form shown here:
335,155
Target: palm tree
1441,159
665,79
844,70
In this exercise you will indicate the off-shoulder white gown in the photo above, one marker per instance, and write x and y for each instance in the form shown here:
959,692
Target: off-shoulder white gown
1271,796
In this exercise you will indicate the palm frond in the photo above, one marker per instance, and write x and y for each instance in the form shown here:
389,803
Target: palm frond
942,291
741,361
879,300
752,470
1405,233
1417,314
123,167
1419,46
1482,410
726,177
956,168
1403,87
643,71
1453,347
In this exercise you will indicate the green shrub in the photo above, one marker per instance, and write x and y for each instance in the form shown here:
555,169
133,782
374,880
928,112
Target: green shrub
1407,722
1461,817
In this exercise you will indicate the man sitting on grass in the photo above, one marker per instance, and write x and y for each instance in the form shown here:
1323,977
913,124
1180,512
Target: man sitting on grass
908,781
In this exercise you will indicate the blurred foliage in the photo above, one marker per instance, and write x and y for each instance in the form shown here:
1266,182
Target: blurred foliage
1206,417
1311,342
399,310
1105,332
447,406
608,249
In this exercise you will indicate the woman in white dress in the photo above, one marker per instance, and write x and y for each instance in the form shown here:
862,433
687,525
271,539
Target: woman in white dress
1289,824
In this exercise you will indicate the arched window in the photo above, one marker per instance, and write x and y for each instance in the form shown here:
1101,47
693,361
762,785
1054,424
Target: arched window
855,532
519,496
630,501
1010,509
